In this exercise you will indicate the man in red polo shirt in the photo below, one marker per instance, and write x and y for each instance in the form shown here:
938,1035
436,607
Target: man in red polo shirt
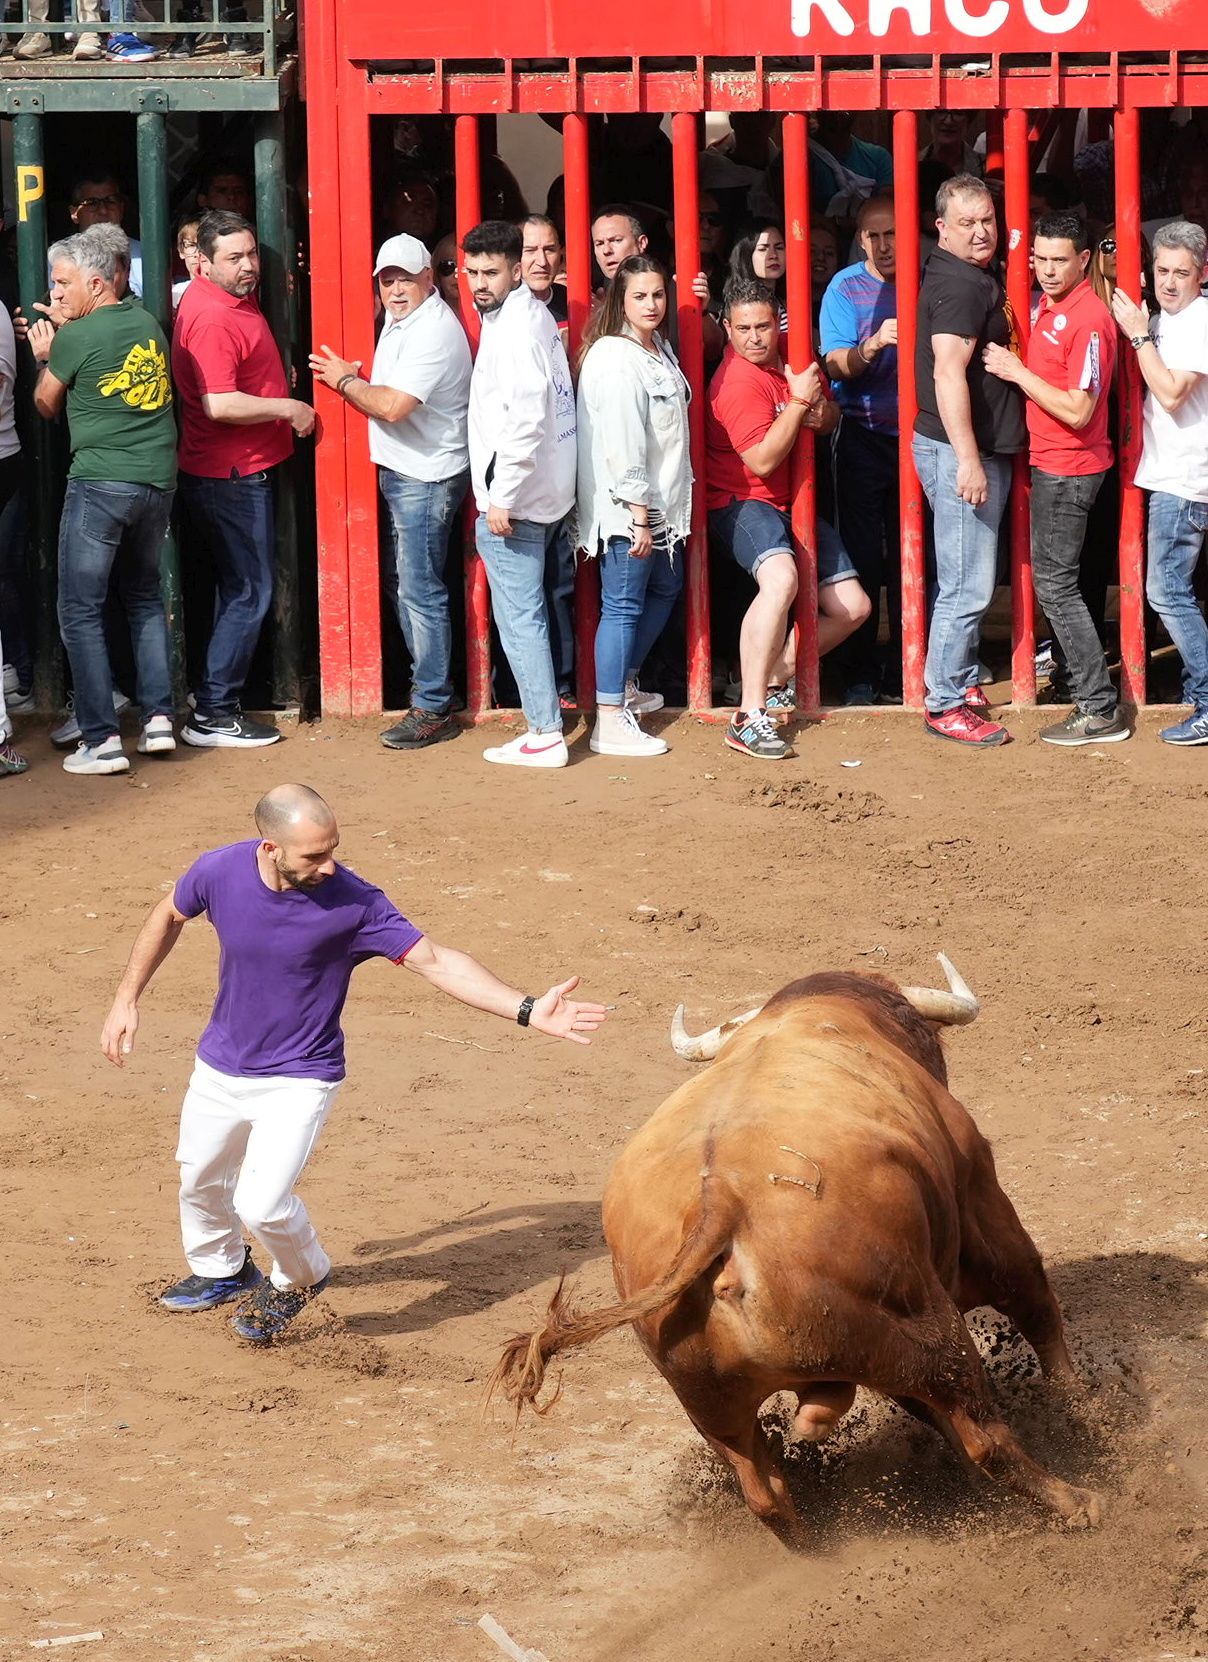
1071,358
237,426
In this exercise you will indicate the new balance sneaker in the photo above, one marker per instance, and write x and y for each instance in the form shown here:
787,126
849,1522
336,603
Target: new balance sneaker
976,699
69,731
156,738
641,703
266,1313
418,729
106,757
11,761
754,735
233,732
618,733
530,750
203,1292
1194,730
1083,727
781,701
127,48
966,726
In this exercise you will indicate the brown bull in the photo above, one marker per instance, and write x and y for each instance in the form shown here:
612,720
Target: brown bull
814,1213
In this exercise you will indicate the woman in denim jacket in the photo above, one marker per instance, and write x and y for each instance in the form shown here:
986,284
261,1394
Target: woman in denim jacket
634,495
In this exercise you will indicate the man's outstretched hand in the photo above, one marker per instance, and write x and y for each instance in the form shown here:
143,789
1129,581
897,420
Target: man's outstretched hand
567,1018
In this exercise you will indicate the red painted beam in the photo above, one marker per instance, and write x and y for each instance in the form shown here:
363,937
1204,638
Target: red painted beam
914,587
799,284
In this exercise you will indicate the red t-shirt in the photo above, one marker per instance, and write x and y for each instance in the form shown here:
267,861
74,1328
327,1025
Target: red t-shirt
224,344
1072,344
744,401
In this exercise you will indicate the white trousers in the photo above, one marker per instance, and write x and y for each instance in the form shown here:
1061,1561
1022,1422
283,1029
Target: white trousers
243,1144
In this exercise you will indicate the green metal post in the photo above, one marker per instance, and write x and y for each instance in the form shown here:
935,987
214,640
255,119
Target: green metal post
276,277
43,518
156,234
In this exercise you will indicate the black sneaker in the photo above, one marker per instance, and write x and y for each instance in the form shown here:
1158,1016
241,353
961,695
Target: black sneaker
203,1292
419,728
264,1315
1084,727
756,736
236,732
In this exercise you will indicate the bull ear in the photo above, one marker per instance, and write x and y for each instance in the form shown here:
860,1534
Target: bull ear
954,1008
705,1046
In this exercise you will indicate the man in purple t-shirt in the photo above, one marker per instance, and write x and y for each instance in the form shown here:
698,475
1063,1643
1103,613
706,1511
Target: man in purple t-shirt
292,925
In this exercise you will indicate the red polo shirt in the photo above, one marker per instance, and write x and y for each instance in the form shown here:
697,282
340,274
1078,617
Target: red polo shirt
224,344
1072,344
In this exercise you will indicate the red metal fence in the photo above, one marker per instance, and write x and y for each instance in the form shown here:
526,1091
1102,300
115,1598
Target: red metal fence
361,62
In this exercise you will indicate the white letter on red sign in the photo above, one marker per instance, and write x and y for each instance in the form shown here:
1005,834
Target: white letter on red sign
880,14
1069,19
833,14
995,16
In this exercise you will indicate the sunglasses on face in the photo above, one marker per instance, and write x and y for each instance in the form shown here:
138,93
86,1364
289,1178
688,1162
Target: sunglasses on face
445,268
1108,245
95,202
713,221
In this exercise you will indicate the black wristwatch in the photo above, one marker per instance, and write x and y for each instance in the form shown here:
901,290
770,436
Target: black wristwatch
1138,341
525,1010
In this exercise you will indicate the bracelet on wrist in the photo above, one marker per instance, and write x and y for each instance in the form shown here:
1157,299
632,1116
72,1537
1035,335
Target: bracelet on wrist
860,345
344,380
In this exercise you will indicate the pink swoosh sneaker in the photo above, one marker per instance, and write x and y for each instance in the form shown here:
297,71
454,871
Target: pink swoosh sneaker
531,750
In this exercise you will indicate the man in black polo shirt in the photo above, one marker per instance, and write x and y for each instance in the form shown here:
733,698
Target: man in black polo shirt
969,425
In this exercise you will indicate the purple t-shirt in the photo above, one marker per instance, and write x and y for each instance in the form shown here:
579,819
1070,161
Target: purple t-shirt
285,963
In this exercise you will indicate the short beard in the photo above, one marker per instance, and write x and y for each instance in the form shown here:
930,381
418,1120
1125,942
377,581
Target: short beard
485,307
292,878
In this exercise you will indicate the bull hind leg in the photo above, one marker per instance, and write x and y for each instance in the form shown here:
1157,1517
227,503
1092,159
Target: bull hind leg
732,1430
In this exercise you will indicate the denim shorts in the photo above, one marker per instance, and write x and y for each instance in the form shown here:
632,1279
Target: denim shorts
753,530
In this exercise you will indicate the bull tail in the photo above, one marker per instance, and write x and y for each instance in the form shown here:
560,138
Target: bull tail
520,1371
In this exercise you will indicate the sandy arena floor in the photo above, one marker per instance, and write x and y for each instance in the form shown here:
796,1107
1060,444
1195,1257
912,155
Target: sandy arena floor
339,1497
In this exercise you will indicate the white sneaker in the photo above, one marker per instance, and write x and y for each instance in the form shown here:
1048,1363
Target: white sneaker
106,757
531,750
641,703
88,49
157,737
10,679
617,733
69,732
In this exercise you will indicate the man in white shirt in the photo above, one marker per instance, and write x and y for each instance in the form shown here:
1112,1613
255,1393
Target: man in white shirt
416,401
523,467
1172,355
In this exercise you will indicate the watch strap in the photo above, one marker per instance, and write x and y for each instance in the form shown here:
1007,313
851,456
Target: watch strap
525,1010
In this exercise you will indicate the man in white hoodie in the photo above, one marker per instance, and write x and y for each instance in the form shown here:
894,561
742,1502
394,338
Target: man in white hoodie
522,467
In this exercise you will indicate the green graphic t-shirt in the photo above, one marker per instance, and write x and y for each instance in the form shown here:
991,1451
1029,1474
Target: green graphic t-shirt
114,363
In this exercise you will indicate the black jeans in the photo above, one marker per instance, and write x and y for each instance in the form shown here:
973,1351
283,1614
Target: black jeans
866,499
1060,506
233,520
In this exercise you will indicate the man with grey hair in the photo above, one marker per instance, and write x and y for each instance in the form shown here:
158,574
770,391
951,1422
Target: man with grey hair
1172,355
970,423
105,361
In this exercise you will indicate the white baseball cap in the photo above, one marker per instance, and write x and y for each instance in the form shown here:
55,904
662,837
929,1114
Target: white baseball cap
407,253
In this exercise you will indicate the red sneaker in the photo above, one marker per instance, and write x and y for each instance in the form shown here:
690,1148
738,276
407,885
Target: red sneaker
966,726
975,698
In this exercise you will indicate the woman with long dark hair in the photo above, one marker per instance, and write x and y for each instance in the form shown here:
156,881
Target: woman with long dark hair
634,492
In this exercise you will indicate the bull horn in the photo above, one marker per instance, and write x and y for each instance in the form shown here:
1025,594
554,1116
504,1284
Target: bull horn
705,1046
953,1008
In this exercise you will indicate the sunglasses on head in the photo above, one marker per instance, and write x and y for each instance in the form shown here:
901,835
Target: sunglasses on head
1108,245
445,268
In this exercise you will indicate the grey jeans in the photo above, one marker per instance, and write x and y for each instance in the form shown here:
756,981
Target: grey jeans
1060,506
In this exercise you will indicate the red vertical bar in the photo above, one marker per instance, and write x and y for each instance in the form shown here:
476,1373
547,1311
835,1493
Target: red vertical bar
578,267
1019,294
907,222
795,139
361,506
478,598
327,325
685,141
1129,393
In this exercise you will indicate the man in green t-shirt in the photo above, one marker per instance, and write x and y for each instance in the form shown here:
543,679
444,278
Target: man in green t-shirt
106,364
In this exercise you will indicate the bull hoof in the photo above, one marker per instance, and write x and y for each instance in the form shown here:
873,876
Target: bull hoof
1083,1509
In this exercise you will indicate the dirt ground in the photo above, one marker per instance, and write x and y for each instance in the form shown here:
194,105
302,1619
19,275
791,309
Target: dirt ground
339,1496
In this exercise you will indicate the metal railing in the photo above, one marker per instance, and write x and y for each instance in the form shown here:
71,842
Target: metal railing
190,36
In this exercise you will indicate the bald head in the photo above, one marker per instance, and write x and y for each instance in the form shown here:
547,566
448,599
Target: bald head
286,807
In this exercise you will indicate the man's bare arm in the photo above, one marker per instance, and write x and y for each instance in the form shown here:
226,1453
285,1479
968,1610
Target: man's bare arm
152,945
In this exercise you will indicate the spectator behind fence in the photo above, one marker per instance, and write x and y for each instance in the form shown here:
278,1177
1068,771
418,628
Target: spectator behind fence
759,256
237,427
119,47
189,255
616,234
1071,361
757,409
634,493
522,464
859,329
107,365
844,169
948,143
1172,354
542,261
223,186
98,199
416,400
11,759
969,425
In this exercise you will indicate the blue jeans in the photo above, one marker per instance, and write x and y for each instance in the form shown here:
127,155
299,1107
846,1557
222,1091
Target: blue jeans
121,529
234,521
516,571
1176,536
423,514
966,563
636,600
